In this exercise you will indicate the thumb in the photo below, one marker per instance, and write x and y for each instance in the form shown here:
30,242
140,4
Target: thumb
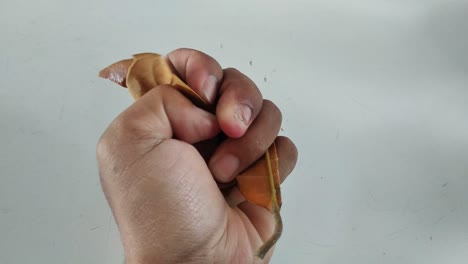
164,113
158,187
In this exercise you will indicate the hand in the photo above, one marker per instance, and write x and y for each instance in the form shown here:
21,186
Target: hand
165,198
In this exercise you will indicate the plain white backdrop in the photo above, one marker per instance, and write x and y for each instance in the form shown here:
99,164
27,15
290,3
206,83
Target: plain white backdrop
374,94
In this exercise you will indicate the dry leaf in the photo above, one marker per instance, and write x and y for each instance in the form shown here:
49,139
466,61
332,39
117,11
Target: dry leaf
144,72
259,184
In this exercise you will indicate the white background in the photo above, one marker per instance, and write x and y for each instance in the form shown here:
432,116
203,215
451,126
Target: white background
374,93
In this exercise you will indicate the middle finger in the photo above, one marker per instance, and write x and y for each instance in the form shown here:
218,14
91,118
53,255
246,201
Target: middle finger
239,103
236,154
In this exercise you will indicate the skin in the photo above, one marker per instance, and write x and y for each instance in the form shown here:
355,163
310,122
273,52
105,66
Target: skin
171,203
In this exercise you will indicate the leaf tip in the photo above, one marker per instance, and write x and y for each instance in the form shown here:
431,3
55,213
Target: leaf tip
117,72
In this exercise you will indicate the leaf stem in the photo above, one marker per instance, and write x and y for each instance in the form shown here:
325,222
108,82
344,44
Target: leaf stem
263,250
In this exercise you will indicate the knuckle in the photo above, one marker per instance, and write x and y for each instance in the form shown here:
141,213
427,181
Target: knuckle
102,147
133,125
253,148
111,142
232,69
230,73
123,127
104,157
252,151
111,138
272,110
259,146
184,50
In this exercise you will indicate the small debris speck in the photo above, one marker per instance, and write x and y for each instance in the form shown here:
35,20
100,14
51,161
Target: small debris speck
221,45
430,238
251,63
264,79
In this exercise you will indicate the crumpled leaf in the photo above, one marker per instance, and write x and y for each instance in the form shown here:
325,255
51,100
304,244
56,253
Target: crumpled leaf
259,184
144,72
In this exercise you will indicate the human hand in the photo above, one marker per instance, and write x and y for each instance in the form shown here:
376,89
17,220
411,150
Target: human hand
164,196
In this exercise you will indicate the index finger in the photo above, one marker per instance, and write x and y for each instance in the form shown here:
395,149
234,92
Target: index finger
200,71
239,100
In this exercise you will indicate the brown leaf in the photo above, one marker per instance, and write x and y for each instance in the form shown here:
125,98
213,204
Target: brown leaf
257,185
117,72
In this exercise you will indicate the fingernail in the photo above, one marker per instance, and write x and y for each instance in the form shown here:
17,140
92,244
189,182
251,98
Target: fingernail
209,88
243,113
225,167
